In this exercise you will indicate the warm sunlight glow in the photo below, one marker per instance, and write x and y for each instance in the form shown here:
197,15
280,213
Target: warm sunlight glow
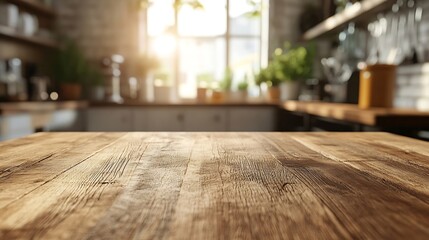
164,45
201,45
240,7
160,17
210,21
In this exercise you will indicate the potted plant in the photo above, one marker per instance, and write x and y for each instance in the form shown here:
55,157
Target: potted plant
145,66
272,77
226,82
222,91
262,78
204,80
163,89
96,81
242,89
292,65
276,78
70,70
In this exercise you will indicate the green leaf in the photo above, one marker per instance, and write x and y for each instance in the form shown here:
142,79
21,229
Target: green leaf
226,83
70,65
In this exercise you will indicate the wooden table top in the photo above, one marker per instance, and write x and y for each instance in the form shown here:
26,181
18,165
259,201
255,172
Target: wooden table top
383,117
214,186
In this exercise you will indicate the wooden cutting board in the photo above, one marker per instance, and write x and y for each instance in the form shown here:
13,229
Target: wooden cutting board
214,186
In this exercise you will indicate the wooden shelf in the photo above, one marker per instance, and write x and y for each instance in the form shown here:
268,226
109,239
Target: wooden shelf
8,33
359,12
34,6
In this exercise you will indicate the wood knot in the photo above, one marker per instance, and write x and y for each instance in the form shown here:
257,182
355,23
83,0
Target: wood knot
107,182
285,184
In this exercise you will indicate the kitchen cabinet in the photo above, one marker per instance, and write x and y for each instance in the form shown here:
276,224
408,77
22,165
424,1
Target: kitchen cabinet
182,118
252,119
158,119
18,119
140,120
20,125
179,119
110,119
15,126
205,119
66,120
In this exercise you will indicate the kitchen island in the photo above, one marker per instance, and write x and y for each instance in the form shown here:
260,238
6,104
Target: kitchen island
214,186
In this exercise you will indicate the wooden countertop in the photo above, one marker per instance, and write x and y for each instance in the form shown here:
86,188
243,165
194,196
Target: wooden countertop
28,107
384,117
380,117
187,104
214,186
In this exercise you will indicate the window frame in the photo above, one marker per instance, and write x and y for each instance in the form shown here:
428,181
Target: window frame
263,38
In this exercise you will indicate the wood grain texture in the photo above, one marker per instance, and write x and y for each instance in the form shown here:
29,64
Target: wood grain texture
380,117
214,186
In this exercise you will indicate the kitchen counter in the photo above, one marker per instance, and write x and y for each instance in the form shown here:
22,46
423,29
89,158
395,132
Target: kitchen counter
338,111
187,104
214,186
29,107
18,119
377,117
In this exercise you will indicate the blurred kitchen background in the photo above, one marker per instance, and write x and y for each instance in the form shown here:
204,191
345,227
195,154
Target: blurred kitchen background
214,65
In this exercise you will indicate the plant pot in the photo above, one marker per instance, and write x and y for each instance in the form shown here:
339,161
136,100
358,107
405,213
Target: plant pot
242,95
163,94
274,94
238,96
147,88
228,96
201,95
70,91
218,96
289,90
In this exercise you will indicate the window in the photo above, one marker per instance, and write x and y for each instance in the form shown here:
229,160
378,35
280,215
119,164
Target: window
198,40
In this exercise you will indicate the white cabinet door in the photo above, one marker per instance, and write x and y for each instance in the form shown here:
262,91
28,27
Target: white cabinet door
164,119
140,119
252,119
207,119
15,126
66,120
110,119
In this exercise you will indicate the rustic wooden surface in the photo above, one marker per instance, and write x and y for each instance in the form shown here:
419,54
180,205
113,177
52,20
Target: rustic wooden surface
214,186
380,117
